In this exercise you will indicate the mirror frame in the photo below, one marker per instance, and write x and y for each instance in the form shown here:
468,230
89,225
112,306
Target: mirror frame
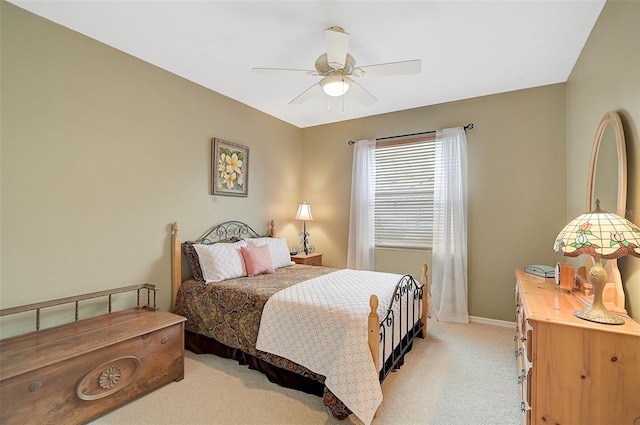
613,119
613,293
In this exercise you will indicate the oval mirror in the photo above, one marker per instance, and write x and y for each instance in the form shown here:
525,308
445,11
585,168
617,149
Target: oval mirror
607,182
607,179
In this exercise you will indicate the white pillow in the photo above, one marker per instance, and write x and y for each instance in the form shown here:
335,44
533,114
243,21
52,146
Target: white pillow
277,248
221,261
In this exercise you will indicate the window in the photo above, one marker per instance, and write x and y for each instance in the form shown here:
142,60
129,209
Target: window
404,194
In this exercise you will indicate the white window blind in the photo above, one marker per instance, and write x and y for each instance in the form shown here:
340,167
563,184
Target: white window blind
404,195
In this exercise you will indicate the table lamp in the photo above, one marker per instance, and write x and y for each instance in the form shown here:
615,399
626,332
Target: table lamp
304,214
603,236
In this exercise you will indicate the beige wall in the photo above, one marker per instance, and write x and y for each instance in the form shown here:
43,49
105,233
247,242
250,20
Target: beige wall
606,78
101,152
517,186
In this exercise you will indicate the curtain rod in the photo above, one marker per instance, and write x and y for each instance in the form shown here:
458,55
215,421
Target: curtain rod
466,127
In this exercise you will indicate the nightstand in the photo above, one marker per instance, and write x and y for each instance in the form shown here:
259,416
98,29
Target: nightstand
313,259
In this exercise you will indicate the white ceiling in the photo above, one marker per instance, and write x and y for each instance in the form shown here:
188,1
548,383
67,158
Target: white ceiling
467,48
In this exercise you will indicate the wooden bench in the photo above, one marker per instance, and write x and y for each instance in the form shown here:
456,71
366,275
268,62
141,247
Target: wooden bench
78,371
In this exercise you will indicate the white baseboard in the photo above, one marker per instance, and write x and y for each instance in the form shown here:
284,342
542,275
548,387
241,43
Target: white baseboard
494,322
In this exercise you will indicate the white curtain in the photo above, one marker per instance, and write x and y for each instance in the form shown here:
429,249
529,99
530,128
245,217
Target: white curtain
449,270
361,248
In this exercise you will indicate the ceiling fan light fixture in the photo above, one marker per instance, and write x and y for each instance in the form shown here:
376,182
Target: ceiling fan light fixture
335,85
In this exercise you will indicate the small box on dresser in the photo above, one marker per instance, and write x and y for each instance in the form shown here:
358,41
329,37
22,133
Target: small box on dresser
572,371
76,372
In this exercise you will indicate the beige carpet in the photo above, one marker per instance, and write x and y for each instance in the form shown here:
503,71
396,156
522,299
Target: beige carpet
459,374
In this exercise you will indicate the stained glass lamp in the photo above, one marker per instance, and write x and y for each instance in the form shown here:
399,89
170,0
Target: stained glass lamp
603,236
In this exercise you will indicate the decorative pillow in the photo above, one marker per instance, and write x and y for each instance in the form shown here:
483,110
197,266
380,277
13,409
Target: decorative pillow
194,261
221,261
277,248
257,260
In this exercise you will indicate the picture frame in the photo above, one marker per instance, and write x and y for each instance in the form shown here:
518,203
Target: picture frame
229,168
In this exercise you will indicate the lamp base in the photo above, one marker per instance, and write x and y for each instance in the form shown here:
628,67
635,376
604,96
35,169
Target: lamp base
596,314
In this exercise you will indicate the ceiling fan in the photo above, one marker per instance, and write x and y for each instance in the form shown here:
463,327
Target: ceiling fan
338,67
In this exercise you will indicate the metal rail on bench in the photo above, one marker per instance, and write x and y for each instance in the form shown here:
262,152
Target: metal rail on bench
76,299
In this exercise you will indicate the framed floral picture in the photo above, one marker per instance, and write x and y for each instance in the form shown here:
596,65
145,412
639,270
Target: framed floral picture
230,168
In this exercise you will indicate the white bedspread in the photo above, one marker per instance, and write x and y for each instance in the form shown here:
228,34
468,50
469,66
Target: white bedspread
322,324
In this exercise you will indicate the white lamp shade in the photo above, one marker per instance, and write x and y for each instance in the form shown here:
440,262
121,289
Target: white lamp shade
600,235
335,85
304,212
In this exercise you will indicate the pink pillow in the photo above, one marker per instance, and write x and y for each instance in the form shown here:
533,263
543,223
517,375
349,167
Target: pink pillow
257,260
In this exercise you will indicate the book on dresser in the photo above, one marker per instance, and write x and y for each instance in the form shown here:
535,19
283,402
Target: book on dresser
570,370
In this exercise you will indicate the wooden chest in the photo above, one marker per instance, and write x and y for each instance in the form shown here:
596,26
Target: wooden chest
76,372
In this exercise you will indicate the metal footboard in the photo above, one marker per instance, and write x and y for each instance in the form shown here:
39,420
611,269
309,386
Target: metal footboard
402,323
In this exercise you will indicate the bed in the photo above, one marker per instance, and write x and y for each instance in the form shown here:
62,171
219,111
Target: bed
248,301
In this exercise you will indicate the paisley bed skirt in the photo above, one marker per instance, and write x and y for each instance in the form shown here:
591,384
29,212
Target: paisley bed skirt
201,344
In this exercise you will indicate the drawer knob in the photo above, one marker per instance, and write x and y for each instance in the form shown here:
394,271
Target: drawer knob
164,340
35,386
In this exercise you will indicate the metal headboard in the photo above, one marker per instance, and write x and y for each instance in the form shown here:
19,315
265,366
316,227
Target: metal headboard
229,231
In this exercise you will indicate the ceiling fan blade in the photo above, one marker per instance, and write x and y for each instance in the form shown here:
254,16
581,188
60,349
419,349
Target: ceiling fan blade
393,68
361,94
283,70
306,95
337,41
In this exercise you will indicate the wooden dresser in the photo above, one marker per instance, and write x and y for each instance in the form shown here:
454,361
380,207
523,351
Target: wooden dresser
572,371
76,372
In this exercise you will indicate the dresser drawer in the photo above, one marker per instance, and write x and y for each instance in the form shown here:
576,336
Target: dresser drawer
315,261
79,389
